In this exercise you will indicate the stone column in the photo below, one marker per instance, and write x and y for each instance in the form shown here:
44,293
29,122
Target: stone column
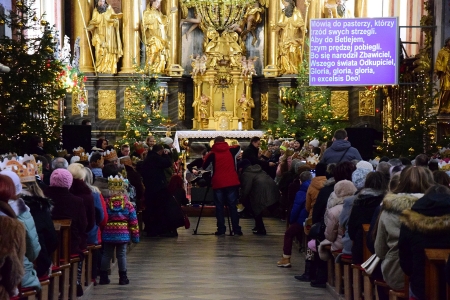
130,40
82,12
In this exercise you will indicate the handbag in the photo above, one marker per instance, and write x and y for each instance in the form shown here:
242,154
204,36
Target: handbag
187,223
317,231
370,264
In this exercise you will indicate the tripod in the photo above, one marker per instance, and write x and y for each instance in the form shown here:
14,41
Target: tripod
201,212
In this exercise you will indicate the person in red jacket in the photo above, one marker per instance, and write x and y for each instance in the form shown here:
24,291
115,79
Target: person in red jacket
225,182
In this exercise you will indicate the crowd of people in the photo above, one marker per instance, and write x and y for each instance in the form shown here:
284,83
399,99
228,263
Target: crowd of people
324,192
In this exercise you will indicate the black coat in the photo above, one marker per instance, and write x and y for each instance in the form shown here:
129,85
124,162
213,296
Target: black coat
152,171
251,153
425,225
80,189
68,206
364,206
40,211
321,203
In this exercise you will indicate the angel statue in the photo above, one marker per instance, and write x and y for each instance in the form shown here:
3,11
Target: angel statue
202,64
251,65
195,64
244,66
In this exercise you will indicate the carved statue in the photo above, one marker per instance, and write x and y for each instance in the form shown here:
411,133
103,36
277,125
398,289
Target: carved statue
251,65
202,107
334,9
290,38
246,105
104,26
442,71
249,22
244,66
154,34
195,64
202,64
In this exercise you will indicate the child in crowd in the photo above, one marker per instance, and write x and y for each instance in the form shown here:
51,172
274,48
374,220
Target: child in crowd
122,227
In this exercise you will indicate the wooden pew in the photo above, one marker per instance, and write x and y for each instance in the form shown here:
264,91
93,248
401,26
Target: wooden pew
359,274
59,286
435,259
43,294
343,276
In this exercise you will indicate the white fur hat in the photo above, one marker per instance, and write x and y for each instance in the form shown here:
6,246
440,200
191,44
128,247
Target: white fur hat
362,164
314,143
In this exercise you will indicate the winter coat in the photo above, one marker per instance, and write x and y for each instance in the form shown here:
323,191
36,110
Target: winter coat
364,206
68,206
12,253
40,209
299,212
320,206
283,186
80,189
425,225
152,172
135,180
122,223
316,185
334,232
104,221
347,243
259,187
92,235
223,160
335,153
388,232
33,247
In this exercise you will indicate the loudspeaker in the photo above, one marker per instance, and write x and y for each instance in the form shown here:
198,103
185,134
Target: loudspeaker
364,139
198,194
75,136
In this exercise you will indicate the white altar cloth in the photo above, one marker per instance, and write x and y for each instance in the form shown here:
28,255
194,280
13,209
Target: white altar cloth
210,134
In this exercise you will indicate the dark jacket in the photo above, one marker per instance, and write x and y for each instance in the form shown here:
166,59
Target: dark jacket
299,213
153,172
135,180
80,189
251,153
40,209
321,202
259,188
364,206
69,206
425,225
340,150
223,160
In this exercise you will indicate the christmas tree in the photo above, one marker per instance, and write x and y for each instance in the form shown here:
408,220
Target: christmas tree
142,112
32,91
306,111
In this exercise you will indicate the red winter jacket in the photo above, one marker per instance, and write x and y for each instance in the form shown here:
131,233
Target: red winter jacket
223,159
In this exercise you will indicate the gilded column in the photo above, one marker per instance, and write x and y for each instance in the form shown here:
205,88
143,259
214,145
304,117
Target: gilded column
360,8
271,69
174,68
82,11
130,39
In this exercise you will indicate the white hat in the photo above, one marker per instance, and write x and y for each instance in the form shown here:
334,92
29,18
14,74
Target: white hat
362,164
167,140
314,143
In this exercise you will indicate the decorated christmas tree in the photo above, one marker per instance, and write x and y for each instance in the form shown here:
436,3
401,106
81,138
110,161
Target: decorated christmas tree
141,115
306,111
32,91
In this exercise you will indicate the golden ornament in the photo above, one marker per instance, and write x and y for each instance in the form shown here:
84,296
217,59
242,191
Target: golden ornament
9,47
2,22
48,49
44,23
325,137
324,129
413,107
379,148
24,81
149,121
143,106
127,124
33,62
20,24
422,123
411,150
19,4
144,115
293,121
6,94
278,129
35,19
412,129
395,127
309,115
293,135
269,130
409,120
283,111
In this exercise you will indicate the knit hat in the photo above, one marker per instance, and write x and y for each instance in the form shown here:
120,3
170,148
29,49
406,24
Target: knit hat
244,164
344,188
359,177
167,140
362,164
61,178
15,178
314,143
277,143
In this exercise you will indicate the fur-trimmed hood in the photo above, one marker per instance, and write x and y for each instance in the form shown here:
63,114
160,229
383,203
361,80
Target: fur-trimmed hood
430,214
396,203
367,196
18,206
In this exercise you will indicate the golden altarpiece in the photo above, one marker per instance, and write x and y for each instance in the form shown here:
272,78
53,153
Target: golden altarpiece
221,65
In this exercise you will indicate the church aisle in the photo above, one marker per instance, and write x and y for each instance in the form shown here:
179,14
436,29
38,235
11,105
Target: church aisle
209,267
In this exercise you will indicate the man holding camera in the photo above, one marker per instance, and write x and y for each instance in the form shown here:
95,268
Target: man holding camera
225,182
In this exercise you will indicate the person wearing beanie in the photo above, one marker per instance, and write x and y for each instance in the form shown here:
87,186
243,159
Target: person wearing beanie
121,228
425,225
362,164
13,241
22,211
68,206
